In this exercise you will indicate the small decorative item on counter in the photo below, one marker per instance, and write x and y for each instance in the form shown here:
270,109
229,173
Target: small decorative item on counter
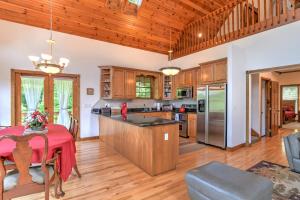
124,108
182,109
36,123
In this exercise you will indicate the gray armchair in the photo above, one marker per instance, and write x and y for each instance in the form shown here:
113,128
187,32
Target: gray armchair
292,149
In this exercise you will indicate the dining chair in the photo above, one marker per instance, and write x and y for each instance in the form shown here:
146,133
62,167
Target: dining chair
19,178
74,128
71,124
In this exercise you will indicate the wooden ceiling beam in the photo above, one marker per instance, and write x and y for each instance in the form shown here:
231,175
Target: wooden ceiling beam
30,18
195,6
149,30
109,23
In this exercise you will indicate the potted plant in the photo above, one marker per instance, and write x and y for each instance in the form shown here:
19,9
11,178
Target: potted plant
37,121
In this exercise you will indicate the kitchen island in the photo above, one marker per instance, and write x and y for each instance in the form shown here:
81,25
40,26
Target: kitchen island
150,143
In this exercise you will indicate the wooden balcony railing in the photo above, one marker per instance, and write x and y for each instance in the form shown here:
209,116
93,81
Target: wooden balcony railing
238,19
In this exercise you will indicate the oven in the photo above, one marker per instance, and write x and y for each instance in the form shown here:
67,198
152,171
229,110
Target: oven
183,123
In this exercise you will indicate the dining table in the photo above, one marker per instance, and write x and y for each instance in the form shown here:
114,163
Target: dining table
58,138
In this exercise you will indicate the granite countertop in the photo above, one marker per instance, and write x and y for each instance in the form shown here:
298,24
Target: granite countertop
142,121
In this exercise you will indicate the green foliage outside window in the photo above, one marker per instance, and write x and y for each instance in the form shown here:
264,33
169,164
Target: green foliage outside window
143,87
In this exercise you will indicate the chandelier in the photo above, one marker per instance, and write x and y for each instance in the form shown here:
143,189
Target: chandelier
170,70
45,63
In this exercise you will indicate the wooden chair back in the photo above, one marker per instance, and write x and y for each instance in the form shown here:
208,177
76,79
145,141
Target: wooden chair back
22,156
71,124
75,128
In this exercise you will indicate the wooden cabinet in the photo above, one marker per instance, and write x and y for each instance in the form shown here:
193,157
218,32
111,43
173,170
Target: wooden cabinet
118,86
189,77
220,71
181,79
192,125
167,87
207,73
130,85
120,83
212,72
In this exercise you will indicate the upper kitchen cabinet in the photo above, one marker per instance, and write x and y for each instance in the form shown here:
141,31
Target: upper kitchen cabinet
189,77
126,83
212,72
130,84
207,73
220,71
118,86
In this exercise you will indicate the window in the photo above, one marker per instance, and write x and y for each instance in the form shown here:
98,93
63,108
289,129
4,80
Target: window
143,87
136,2
290,93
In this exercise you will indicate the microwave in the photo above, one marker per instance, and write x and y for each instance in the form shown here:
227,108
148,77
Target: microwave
186,92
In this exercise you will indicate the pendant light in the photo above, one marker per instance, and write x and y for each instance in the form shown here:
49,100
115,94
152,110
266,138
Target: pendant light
45,62
170,70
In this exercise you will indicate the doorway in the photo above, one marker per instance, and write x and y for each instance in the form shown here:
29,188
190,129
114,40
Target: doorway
290,106
270,93
58,95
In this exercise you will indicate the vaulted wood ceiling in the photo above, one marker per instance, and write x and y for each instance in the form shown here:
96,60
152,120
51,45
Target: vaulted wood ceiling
149,30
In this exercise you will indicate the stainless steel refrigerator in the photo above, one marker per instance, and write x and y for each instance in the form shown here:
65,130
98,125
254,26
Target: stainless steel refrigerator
211,114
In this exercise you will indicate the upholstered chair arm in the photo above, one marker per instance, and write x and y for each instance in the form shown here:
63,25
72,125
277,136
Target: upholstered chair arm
288,152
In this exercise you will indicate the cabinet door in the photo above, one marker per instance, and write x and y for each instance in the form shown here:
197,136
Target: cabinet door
198,77
189,78
182,79
130,86
207,73
220,71
118,90
192,125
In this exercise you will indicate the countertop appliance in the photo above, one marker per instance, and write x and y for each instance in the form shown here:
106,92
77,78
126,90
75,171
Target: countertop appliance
212,114
183,123
184,92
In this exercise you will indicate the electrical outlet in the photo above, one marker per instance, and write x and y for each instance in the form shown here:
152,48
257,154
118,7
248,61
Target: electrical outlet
166,136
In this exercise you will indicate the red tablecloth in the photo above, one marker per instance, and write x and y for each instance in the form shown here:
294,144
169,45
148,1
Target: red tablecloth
58,137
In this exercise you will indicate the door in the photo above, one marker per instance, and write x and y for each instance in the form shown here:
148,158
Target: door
201,114
32,90
263,108
275,111
32,93
217,115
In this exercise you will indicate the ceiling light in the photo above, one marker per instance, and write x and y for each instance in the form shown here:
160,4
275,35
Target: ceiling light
199,35
46,64
170,70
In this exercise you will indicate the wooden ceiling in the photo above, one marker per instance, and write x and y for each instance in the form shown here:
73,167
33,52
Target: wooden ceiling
149,30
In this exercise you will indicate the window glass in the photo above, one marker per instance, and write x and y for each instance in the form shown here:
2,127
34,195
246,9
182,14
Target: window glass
136,2
290,93
143,87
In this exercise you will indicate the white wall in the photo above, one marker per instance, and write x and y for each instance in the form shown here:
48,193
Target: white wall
273,48
18,41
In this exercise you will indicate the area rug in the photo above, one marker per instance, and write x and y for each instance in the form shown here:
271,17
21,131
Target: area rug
183,149
286,182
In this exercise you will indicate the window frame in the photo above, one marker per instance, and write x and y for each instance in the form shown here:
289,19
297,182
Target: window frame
146,80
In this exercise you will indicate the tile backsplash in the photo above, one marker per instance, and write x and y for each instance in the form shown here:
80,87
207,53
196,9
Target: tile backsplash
139,103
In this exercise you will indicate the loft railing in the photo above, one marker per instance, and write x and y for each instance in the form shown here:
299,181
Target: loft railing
238,19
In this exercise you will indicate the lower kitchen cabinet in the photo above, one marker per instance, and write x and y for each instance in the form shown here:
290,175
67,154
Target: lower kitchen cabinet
192,125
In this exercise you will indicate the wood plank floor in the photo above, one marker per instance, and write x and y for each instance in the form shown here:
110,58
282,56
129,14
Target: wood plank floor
108,176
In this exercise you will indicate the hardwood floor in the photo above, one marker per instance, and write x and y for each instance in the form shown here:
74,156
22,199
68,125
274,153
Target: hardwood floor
108,176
